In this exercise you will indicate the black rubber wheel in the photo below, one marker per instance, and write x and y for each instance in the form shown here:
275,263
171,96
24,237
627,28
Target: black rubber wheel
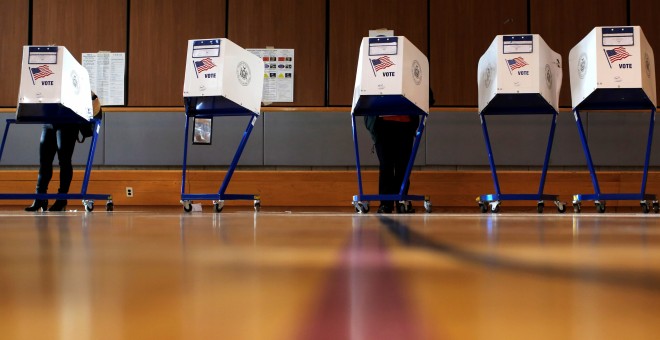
217,207
361,208
483,207
600,207
577,208
539,208
109,206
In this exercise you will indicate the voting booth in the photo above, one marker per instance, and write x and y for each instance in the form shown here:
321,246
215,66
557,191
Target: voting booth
518,74
221,79
54,89
613,68
392,79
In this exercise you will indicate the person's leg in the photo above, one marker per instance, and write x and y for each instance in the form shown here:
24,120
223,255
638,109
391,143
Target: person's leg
47,150
66,142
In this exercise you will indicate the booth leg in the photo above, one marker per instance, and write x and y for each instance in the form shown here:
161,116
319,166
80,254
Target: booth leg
587,154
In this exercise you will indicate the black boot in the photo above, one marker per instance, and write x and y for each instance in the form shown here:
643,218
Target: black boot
59,205
38,204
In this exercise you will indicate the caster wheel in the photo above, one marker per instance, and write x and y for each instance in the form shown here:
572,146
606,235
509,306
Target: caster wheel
109,206
656,207
495,207
404,207
483,207
427,207
539,207
645,207
89,206
600,207
187,206
218,206
257,205
361,207
577,208
561,207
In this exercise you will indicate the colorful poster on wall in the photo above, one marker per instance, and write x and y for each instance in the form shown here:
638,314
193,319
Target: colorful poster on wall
106,75
278,74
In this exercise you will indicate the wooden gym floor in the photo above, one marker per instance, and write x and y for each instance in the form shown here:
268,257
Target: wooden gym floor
160,273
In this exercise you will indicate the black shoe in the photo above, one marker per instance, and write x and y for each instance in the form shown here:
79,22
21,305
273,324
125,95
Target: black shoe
59,205
38,204
384,209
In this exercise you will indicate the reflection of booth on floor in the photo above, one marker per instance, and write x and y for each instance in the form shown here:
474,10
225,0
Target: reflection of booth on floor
392,79
55,89
222,79
518,74
613,68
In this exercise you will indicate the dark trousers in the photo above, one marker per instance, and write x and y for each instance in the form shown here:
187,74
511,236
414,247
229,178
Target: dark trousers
57,139
394,143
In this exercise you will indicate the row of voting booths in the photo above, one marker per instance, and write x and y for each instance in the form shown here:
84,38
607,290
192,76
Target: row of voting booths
612,68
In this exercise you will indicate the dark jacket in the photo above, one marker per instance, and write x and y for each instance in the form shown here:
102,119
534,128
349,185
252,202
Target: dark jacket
370,121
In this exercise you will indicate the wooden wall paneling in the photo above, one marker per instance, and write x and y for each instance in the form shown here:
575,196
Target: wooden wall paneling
447,189
14,28
80,25
461,31
297,24
644,13
159,34
563,23
351,20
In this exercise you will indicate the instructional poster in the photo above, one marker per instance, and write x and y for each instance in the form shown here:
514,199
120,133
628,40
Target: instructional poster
278,74
106,75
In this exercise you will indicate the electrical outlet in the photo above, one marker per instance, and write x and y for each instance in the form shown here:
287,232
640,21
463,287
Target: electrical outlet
129,192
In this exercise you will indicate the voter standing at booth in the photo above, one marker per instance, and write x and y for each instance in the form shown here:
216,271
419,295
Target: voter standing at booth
392,92
60,139
393,138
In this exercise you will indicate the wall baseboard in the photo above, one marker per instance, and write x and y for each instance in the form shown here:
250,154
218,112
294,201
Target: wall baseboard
447,189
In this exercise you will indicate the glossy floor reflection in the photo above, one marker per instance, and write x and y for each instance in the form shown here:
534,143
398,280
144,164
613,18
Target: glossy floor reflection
164,274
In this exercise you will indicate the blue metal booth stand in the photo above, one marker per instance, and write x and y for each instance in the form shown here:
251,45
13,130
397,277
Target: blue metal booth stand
513,104
56,113
377,105
615,99
209,107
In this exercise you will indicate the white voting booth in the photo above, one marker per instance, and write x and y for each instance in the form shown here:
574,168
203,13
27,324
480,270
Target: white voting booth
54,87
221,79
392,79
613,68
518,74
392,76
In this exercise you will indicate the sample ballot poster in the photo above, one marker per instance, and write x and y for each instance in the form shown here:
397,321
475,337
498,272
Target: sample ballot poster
106,75
278,74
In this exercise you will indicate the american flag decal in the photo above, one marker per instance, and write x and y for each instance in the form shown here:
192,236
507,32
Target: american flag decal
516,63
204,64
617,53
381,63
40,72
